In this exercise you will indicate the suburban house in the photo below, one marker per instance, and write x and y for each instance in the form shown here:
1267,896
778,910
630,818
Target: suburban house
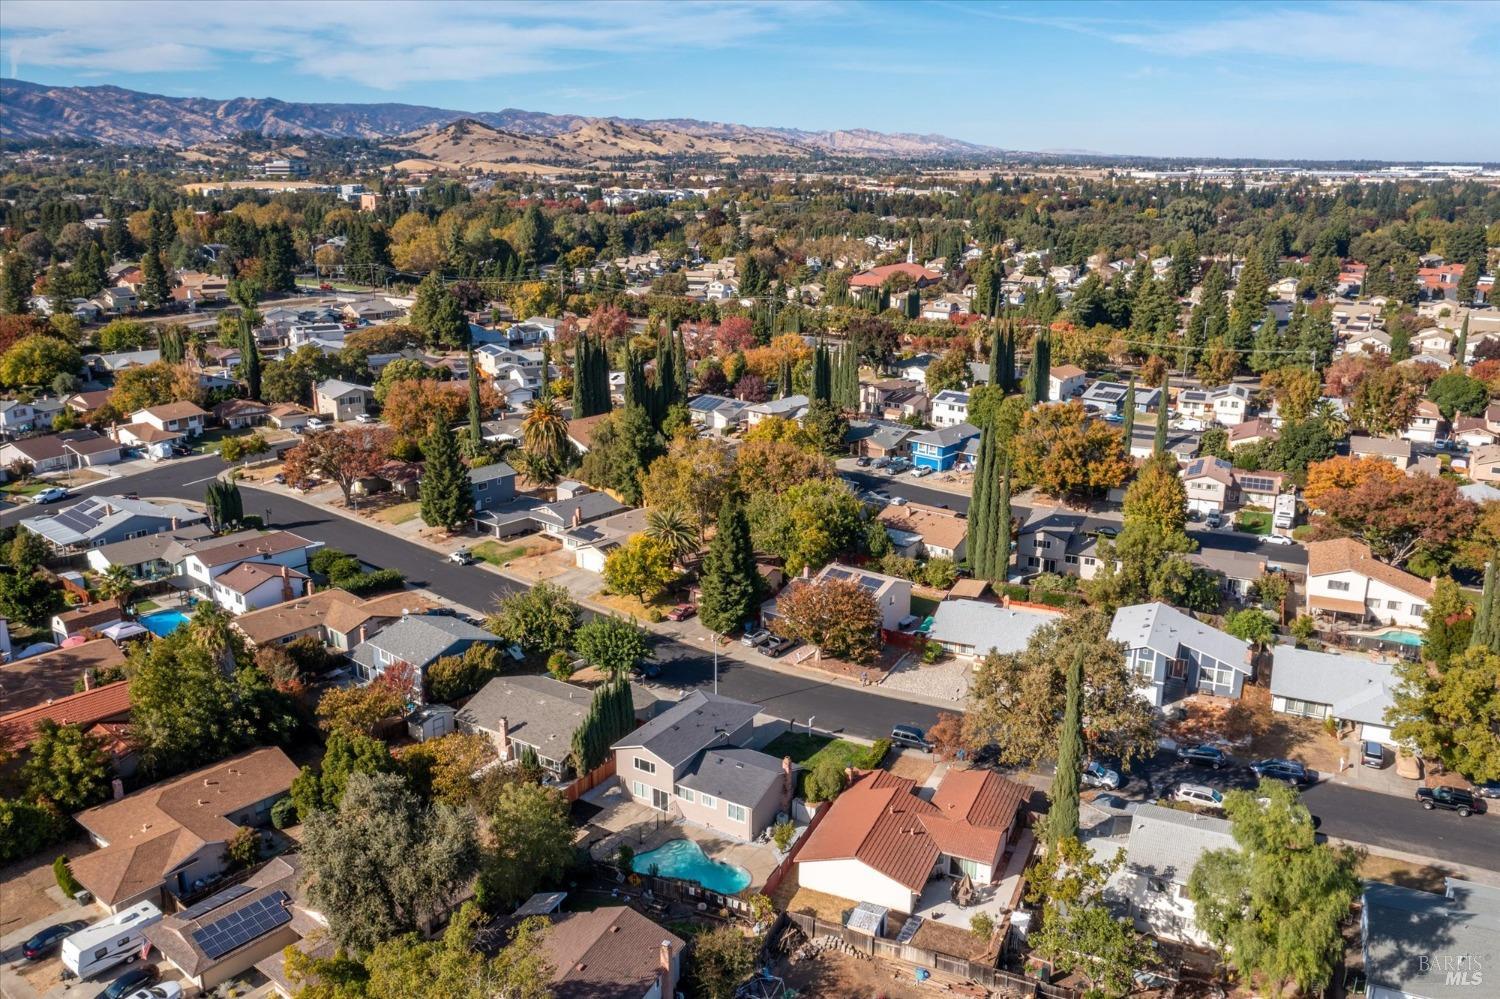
1484,463
1397,452
90,619
870,282
16,417
891,394
975,628
1474,433
335,617
102,520
1165,845
612,952
1065,381
717,412
685,761
1343,577
1424,945
1172,654
491,485
790,408
592,543
238,414
290,416
950,407
92,709
1236,571
881,844
117,301
207,566
1251,432
1108,398
538,713
252,585
525,514
891,593
943,448
879,438
1348,687
342,400
1426,423
1214,485
920,531
61,452
169,838
417,640
1054,540
173,418
50,676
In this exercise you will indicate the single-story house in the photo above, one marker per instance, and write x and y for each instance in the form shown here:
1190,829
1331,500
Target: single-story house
612,952
92,618
38,679
335,617
592,543
1424,945
921,531
87,709
539,713
62,451
1172,654
1251,432
892,594
237,414
1346,686
792,407
975,628
717,412
1343,577
1397,452
879,438
417,640
881,844
1164,847
525,514
290,416
101,520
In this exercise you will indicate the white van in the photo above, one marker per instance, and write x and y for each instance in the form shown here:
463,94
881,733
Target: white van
109,942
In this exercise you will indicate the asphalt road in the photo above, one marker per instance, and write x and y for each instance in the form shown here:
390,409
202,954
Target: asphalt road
1379,820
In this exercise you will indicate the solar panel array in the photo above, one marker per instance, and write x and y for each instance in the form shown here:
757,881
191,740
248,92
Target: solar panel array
244,925
213,901
76,519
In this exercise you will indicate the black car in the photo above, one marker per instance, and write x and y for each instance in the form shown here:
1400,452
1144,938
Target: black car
1204,756
862,461
46,941
1452,799
1287,770
135,978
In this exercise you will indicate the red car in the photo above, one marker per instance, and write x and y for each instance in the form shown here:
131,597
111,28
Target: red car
681,612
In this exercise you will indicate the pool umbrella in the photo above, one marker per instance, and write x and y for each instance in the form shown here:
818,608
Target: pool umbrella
123,630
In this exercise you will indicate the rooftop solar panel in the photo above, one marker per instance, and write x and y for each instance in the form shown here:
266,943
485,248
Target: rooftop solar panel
198,909
243,925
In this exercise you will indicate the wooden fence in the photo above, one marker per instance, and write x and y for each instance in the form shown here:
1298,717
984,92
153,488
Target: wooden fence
987,975
785,867
583,785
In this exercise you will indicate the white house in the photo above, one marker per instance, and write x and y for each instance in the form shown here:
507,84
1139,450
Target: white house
1065,381
950,408
1343,578
1231,404
174,417
1165,845
207,565
1396,452
1349,687
1426,423
252,586
790,408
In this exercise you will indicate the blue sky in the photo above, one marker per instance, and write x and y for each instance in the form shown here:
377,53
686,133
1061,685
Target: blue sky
1391,80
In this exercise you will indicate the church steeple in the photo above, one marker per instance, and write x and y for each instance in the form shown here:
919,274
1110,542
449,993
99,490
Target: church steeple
911,249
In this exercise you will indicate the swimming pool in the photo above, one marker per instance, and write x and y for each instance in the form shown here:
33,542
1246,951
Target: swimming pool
684,859
1400,637
163,622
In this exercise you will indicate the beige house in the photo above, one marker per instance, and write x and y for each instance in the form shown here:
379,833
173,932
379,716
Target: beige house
1484,463
921,531
1397,452
1064,382
1343,578
685,763
174,417
342,400
1426,423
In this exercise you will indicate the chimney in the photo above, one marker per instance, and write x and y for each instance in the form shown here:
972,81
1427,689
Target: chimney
88,679
174,523
117,788
577,516
786,780
503,741
665,976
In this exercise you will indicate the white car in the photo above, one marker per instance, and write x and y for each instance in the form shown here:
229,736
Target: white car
161,990
314,425
1277,539
920,471
1199,794
898,501
50,495
364,418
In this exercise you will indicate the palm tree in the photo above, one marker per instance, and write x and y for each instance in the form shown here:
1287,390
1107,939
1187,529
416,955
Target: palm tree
1334,422
547,452
117,584
669,526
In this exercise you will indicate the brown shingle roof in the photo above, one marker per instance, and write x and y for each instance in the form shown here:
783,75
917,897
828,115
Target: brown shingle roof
1348,555
89,616
938,528
148,434
173,411
270,543
246,576
610,953
51,675
583,429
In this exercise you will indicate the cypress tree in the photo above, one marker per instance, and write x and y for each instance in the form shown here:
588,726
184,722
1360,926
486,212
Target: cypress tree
679,359
1032,395
998,536
822,390
581,377
1062,817
476,432
1041,366
1128,413
169,342
784,379
1461,345
979,519
1483,625
445,499
249,358
1163,411
997,357
730,582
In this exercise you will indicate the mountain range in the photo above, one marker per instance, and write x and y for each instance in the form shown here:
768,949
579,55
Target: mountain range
32,111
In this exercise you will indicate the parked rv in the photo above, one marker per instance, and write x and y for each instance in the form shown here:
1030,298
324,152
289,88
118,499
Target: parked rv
115,940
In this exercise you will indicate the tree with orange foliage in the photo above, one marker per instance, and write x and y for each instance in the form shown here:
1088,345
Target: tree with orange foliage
412,405
766,361
1399,518
838,616
1327,477
342,456
947,735
1063,452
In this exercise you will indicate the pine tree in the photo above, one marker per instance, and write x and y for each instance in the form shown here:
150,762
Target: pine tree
730,582
155,291
1062,816
1163,411
1267,352
445,500
249,358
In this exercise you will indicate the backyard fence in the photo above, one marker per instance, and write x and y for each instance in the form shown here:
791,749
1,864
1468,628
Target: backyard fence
958,967
785,867
673,890
583,785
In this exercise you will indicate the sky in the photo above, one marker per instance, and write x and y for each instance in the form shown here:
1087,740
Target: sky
1394,80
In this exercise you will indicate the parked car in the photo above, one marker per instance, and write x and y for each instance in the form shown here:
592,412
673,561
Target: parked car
898,501
166,990
1204,756
43,942
314,425
50,495
1276,539
365,418
649,670
1372,754
1098,775
1489,789
863,461
681,612
132,981
754,638
181,450
1214,520
1199,794
461,556
1452,799
910,736
279,479
1287,770
918,473
776,645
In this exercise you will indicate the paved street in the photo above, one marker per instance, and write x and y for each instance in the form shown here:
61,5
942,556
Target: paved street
1380,820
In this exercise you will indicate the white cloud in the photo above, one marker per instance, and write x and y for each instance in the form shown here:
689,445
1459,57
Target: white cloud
382,45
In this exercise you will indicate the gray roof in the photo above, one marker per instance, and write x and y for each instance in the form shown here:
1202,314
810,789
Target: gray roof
1358,689
590,506
952,395
947,436
94,517
167,547
1379,445
742,776
781,407
688,727
494,470
986,626
421,638
1166,843
538,710
336,387
1414,940
1166,630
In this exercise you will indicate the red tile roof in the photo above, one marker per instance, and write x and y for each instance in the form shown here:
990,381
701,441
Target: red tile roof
19,728
877,276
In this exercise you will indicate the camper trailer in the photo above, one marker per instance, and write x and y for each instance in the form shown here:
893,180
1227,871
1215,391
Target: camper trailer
109,942
1286,511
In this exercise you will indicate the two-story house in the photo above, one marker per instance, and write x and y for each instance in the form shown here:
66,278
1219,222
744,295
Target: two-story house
920,531
1344,578
1426,423
205,568
1213,485
491,485
417,640
1164,847
1397,452
342,400
1171,654
686,762
943,448
1108,398
252,586
950,408
1054,540
1065,381
174,417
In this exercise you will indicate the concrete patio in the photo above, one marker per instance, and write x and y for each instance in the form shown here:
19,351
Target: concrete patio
624,820
936,901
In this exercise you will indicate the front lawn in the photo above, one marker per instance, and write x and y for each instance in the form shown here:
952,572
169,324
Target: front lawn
28,488
810,750
494,552
400,513
1253,521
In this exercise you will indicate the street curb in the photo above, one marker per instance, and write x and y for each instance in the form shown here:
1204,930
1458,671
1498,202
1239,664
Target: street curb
1476,874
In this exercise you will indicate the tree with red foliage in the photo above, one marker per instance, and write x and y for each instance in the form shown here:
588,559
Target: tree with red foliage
734,333
609,322
752,388
14,329
839,616
947,735
1398,517
343,456
1344,375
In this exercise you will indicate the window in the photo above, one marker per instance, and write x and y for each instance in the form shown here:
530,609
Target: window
707,801
1213,673
685,793
639,790
1304,709
1338,585
1419,609
1032,561
1156,886
1043,544
1070,559
645,766
1090,561
736,812
1393,605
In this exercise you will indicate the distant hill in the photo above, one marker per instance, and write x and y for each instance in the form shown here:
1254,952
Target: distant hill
31,111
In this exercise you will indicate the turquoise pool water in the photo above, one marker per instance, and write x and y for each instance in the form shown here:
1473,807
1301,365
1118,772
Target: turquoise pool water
684,859
1400,637
163,622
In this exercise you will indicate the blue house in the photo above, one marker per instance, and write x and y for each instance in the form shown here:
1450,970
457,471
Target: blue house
1171,654
491,485
943,448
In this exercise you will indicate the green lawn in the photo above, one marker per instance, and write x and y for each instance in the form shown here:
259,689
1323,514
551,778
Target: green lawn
497,554
400,513
923,606
1253,521
810,750
146,606
29,488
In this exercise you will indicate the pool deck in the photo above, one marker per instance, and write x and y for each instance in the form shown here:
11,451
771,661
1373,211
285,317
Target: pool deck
624,820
